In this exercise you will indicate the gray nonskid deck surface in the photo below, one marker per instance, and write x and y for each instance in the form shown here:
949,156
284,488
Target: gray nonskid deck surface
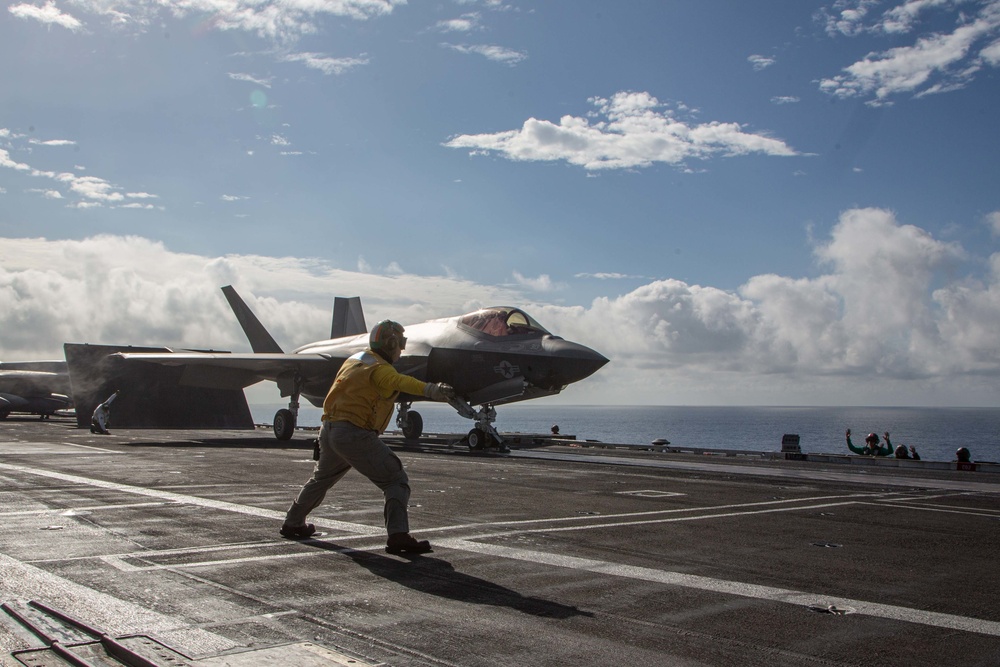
542,557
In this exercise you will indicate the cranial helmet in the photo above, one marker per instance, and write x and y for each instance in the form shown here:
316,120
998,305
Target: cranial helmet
384,332
872,438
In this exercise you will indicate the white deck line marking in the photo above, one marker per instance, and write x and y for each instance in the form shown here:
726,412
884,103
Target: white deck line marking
191,500
949,621
707,508
69,511
800,598
96,449
990,484
931,508
674,519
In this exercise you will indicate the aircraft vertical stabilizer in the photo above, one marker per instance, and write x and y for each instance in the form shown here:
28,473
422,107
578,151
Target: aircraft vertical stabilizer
261,341
348,317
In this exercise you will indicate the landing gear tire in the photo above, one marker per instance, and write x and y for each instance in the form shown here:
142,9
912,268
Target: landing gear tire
414,426
479,439
284,424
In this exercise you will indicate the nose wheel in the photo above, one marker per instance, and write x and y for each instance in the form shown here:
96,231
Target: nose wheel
479,439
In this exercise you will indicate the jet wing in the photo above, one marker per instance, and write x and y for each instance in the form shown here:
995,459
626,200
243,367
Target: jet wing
223,370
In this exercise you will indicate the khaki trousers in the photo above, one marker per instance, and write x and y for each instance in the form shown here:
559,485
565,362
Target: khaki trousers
343,446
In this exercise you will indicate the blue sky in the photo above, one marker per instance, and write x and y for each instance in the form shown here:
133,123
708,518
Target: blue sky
785,202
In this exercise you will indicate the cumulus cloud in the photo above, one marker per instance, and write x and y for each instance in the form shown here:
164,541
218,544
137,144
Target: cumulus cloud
542,283
125,289
48,14
631,130
886,310
887,305
934,63
993,220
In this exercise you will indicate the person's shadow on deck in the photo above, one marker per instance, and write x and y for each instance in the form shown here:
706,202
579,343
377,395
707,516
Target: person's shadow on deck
435,576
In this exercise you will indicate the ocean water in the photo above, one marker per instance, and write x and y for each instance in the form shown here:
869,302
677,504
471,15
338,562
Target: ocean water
935,432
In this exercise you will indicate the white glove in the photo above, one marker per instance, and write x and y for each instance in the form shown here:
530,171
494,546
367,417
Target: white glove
439,391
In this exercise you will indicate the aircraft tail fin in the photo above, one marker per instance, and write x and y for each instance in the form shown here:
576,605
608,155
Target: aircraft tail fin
260,340
348,317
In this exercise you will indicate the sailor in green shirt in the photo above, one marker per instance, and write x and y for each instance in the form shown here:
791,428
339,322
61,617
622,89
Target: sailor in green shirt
872,447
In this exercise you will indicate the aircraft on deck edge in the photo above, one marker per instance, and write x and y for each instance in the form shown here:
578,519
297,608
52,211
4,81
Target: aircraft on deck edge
34,387
491,356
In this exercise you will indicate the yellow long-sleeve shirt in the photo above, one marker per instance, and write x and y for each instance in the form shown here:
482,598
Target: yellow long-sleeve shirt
365,391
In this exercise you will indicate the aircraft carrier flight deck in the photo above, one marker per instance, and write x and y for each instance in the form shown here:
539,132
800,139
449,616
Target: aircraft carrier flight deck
163,547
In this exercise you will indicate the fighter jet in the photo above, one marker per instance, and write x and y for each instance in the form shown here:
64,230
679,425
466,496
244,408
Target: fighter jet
34,387
491,357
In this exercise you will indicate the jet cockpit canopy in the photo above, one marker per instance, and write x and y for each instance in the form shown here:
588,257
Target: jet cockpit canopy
503,321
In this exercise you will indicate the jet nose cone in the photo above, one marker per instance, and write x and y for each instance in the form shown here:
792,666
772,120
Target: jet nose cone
572,362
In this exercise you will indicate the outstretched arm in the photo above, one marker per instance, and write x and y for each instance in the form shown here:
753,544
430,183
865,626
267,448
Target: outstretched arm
850,445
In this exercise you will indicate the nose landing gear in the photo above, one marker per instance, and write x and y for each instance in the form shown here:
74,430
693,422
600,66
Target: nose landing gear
483,436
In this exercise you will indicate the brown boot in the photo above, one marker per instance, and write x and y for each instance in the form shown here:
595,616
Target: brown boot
404,543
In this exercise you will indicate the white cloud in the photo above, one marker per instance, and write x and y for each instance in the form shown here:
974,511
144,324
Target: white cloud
90,189
118,290
607,276
993,220
991,54
264,83
934,63
785,99
278,20
902,18
48,14
466,23
851,16
497,54
632,130
10,163
323,63
48,194
542,283
760,62
52,142
886,310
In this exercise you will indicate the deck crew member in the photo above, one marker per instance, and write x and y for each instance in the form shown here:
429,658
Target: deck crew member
871,448
356,411
101,419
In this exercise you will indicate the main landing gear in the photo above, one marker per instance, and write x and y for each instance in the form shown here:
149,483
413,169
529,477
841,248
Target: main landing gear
480,438
409,421
286,419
